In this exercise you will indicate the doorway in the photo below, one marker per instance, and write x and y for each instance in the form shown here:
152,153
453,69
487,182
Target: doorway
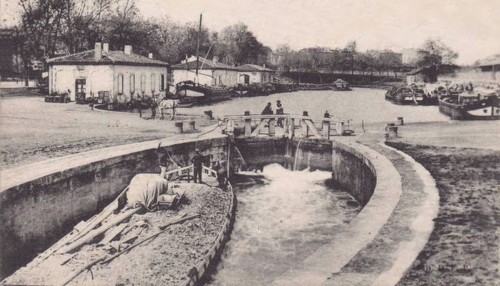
80,87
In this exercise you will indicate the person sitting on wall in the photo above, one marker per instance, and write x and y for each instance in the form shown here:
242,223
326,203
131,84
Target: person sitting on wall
268,110
197,161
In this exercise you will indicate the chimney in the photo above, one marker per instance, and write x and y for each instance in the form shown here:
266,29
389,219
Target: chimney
97,51
215,59
105,48
150,55
264,65
128,49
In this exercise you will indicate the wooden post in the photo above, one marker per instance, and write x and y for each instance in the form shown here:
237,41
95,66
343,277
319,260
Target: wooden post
272,130
305,128
178,125
340,128
292,127
248,124
285,125
326,129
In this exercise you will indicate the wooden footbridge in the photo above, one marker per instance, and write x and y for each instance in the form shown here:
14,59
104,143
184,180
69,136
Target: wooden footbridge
288,125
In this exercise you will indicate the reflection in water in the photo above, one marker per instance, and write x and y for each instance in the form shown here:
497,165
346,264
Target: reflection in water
279,222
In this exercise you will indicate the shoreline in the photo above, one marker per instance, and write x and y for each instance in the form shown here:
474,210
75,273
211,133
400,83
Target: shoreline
461,249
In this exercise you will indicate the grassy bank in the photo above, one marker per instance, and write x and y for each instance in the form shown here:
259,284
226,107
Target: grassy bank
463,247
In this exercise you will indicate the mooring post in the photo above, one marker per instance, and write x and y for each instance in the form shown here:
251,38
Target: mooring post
178,125
401,121
392,132
305,127
248,124
340,128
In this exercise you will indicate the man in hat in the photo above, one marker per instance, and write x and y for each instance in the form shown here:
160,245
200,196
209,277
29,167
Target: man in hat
197,161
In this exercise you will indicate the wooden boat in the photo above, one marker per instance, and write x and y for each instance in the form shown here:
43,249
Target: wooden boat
342,85
412,94
471,107
254,89
191,93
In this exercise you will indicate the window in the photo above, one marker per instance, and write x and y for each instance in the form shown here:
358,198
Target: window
162,82
132,83
153,82
120,84
143,82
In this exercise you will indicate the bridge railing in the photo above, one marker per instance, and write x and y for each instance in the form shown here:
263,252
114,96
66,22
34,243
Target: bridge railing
254,124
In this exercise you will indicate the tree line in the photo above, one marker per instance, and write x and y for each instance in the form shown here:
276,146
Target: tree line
434,53
52,27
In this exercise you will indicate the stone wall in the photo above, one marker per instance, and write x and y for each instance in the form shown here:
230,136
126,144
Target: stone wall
38,210
353,172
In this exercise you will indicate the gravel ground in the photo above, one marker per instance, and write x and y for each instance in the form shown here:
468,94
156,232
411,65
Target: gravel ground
165,260
463,247
33,130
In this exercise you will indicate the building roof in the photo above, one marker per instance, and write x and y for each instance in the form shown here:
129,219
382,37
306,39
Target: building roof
254,68
109,58
490,63
417,71
202,64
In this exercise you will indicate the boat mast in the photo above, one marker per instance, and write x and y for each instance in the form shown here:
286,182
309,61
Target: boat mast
198,50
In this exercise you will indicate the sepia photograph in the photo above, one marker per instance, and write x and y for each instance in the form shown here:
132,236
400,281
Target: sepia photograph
250,142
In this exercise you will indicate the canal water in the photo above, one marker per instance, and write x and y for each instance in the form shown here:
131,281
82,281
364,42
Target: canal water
282,217
360,104
285,216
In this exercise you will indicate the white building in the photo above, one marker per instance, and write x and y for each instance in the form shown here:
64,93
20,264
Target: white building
210,72
121,75
254,74
411,56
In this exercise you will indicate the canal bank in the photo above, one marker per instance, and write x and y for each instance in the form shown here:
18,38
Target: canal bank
31,221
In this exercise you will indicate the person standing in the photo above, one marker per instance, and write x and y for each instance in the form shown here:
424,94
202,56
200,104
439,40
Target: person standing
221,176
154,106
197,161
279,111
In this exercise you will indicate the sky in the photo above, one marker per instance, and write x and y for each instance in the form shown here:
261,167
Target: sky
469,27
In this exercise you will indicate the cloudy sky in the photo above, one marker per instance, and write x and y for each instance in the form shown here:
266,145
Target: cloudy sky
470,27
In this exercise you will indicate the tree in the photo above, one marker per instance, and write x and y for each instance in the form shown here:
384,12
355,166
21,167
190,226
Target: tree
350,53
437,54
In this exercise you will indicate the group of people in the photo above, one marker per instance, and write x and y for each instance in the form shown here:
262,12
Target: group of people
268,110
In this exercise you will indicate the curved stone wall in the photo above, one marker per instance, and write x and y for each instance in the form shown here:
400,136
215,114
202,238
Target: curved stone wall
41,202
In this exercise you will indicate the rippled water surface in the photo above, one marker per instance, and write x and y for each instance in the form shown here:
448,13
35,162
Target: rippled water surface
281,219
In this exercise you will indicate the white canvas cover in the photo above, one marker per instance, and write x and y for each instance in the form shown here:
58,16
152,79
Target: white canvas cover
145,189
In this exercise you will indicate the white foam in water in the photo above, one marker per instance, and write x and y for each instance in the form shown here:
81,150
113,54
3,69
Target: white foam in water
279,223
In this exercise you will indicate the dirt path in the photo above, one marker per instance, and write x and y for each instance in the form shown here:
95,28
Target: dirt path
33,130
463,248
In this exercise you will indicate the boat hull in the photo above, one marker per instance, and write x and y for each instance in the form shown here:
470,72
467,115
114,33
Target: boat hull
487,109
193,94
